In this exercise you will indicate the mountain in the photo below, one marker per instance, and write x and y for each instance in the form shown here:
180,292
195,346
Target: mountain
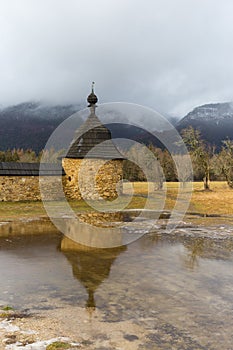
29,125
214,120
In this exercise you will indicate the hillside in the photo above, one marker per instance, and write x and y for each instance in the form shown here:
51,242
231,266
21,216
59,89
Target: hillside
29,125
215,122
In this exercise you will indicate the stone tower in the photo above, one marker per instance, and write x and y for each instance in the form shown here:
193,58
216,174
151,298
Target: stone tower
93,165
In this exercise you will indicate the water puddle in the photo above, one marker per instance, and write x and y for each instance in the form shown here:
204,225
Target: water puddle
175,289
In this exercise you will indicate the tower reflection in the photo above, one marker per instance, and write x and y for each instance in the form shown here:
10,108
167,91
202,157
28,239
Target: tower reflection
91,266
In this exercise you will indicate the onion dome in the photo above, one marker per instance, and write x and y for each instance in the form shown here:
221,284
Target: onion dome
92,98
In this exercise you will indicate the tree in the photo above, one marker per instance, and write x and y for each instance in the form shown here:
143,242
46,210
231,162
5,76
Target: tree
183,168
51,155
142,165
28,156
166,163
224,162
132,171
200,153
9,156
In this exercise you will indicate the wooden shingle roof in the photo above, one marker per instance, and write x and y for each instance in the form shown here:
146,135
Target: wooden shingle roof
93,140
30,169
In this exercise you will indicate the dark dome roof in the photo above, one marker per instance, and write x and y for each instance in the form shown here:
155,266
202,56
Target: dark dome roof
92,99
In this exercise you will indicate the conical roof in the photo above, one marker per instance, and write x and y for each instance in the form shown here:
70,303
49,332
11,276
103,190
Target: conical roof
93,139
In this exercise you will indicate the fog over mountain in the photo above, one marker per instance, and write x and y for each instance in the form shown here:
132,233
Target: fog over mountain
29,125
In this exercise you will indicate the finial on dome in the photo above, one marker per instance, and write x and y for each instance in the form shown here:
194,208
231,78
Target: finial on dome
92,98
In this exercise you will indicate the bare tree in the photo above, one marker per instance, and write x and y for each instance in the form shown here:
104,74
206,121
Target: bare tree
224,162
199,152
145,163
183,168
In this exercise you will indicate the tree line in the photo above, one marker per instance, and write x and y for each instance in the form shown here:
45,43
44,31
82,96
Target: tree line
207,164
30,156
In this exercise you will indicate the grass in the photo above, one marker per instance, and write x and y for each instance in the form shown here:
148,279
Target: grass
8,308
217,201
14,210
58,346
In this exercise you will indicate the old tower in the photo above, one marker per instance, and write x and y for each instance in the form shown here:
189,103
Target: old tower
93,165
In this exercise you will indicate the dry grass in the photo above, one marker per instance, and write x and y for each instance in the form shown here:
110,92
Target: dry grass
15,210
217,201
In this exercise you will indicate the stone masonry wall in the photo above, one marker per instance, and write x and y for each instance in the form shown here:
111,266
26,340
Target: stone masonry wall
22,188
92,178
85,178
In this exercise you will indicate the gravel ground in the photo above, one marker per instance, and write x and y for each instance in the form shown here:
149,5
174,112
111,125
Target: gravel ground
78,327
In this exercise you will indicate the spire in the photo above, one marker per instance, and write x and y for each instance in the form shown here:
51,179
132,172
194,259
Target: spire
91,134
92,98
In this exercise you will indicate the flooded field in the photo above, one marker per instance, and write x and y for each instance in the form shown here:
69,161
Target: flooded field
164,291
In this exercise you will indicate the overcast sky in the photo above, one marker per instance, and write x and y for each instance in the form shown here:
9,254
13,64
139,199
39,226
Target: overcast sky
171,55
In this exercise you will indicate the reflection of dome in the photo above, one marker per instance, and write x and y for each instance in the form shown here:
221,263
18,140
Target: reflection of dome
91,266
92,98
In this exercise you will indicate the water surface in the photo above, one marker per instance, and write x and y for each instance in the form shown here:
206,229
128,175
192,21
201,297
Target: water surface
179,287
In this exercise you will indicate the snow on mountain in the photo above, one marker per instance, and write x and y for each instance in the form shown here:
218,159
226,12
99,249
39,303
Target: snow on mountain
212,111
214,121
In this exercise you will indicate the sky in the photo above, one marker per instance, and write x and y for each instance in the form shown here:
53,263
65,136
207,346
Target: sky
169,55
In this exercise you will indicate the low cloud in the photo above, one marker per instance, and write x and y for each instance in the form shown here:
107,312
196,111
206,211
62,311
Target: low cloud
170,55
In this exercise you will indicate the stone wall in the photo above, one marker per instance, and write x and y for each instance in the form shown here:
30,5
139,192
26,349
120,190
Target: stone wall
22,188
92,178
85,178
